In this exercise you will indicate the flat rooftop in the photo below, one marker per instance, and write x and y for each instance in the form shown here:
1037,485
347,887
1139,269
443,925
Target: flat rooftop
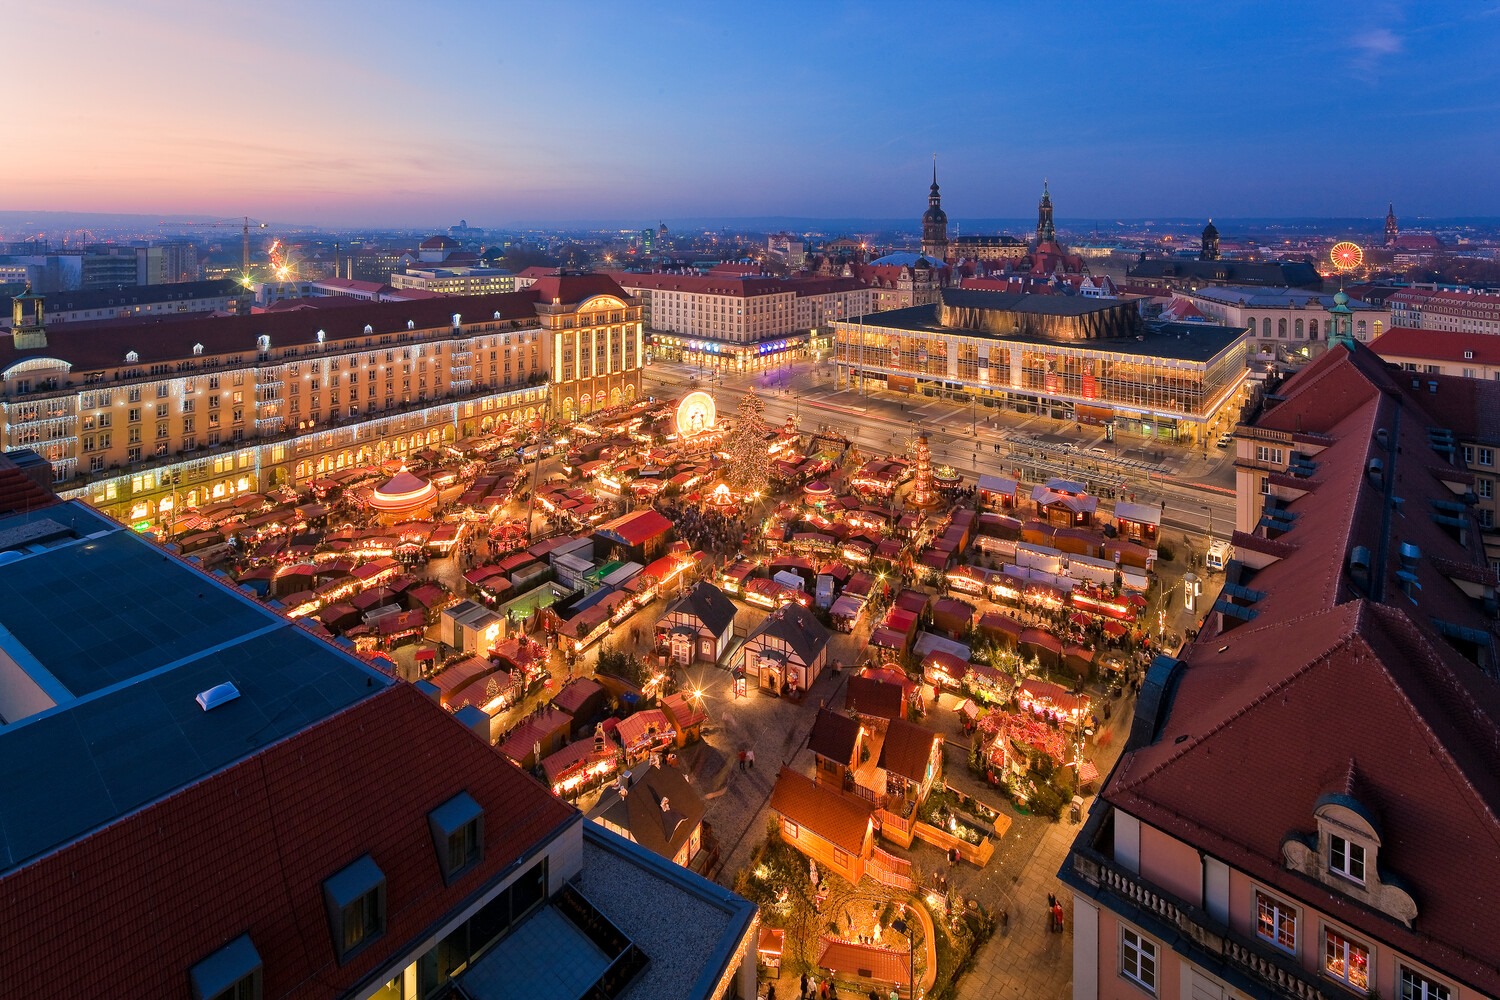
105,642
1198,342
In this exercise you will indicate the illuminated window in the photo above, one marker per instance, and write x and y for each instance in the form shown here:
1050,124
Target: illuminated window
1346,960
1276,921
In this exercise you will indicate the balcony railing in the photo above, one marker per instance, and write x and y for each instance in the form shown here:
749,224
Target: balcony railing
1215,943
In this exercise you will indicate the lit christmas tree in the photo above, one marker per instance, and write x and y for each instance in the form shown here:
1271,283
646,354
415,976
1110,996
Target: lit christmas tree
748,470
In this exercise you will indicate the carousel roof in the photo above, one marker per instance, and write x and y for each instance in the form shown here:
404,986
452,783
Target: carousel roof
403,492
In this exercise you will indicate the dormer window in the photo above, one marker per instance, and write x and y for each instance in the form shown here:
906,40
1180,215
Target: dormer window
457,835
131,357
197,349
231,973
1346,858
263,343
369,329
355,899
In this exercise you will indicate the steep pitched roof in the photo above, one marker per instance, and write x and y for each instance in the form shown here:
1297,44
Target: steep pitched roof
708,604
795,625
1347,664
907,749
872,697
248,848
660,809
842,820
834,735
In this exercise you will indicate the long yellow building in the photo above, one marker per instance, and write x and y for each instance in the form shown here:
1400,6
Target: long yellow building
139,418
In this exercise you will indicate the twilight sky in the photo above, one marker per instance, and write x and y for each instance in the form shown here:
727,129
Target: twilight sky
381,113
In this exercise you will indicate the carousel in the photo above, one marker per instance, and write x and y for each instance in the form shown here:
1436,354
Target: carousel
403,497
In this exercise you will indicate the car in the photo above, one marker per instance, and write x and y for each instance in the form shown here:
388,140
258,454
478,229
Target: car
1226,439
1098,450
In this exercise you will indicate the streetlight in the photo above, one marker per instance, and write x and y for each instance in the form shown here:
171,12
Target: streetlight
900,926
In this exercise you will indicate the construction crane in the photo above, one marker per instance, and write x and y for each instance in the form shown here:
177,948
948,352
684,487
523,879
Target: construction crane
244,222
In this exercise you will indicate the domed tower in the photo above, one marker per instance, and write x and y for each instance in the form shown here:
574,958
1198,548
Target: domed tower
1210,247
935,221
1045,231
1391,229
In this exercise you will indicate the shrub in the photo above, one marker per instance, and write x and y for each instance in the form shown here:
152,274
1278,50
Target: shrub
1164,552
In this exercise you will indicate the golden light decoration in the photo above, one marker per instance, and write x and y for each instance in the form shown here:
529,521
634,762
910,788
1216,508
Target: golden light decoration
696,413
1346,256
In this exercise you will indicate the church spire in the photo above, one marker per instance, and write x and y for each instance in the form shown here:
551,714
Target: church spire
1045,231
935,221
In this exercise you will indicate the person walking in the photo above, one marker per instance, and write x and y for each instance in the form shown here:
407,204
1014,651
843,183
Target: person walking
1057,917
742,760
803,994
750,759
1051,912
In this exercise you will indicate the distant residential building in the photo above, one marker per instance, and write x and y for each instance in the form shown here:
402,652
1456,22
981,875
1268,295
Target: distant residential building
789,248
740,322
1440,352
1462,311
1285,319
456,280
225,296
1182,274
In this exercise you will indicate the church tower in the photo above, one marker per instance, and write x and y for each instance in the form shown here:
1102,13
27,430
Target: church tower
1045,231
1391,229
1210,247
935,221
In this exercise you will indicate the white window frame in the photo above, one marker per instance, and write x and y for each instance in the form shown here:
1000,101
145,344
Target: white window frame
1282,913
1487,457
1136,951
1350,858
1425,988
1350,943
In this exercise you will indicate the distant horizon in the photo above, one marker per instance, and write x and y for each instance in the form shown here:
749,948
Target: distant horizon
824,111
10,218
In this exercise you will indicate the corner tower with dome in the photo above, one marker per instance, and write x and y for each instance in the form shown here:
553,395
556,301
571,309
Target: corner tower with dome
935,221
1209,250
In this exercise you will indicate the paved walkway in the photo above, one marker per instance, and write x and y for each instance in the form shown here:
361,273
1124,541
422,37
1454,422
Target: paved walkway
1024,958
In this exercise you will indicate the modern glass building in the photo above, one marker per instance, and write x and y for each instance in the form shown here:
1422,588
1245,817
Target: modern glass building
1091,360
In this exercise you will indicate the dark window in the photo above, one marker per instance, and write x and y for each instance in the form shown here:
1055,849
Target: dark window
231,973
355,899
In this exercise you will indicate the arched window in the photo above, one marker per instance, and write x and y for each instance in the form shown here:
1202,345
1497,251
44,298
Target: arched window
1363,334
1312,329
1250,322
1281,328
1298,331
1265,327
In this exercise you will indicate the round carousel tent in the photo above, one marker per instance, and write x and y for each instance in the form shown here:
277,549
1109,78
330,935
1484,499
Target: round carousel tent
402,494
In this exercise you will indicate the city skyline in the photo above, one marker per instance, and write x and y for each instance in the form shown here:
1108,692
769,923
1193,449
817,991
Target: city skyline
513,116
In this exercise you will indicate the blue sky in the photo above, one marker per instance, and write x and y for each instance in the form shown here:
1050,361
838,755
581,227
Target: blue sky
412,114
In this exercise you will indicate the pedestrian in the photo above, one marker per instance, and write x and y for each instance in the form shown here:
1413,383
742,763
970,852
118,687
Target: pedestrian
771,992
750,759
803,995
1051,912
742,760
1057,917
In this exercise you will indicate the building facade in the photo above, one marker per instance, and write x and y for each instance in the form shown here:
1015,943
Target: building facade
1440,352
741,323
1283,819
144,419
1282,319
220,295
1073,358
456,280
1457,311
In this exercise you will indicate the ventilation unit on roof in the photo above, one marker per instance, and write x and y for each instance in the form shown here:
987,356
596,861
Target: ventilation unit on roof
1384,437
1410,555
217,695
1376,470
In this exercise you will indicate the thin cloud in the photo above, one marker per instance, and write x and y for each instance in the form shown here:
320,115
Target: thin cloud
1370,48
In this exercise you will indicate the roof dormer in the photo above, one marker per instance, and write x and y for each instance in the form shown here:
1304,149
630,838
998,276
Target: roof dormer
1344,854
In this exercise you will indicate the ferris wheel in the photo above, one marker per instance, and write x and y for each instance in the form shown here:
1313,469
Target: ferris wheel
1346,256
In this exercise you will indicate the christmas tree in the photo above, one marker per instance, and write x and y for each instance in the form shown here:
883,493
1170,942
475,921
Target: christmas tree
748,470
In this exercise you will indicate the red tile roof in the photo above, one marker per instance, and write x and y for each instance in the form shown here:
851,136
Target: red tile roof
1438,345
1341,672
907,749
136,904
842,820
637,528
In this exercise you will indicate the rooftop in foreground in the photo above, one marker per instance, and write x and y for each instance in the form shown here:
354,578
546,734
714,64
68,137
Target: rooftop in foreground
106,643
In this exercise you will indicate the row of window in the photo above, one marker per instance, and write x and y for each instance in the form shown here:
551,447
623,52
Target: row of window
355,900
1344,958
